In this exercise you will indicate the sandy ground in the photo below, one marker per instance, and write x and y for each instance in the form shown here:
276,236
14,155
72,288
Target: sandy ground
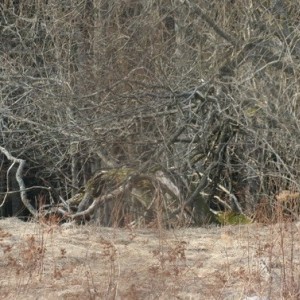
88,262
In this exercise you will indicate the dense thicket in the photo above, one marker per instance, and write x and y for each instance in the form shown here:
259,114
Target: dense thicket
207,91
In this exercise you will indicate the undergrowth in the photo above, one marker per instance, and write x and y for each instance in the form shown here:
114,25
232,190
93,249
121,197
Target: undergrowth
74,262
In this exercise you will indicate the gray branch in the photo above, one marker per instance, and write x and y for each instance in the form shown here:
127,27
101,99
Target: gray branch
20,181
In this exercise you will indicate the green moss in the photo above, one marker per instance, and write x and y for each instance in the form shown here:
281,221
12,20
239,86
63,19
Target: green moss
76,199
232,218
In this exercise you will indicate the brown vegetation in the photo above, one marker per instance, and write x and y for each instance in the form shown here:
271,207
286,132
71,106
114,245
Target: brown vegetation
206,92
42,261
149,114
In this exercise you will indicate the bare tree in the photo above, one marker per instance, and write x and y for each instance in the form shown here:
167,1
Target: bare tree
206,91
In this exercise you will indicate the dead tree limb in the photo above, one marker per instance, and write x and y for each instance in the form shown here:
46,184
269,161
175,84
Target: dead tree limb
99,200
157,179
20,181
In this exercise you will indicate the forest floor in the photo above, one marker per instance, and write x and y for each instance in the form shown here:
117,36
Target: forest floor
255,261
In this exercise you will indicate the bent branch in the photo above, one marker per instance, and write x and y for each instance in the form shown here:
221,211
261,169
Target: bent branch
20,181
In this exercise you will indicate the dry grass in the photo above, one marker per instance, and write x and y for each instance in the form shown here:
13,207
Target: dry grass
42,261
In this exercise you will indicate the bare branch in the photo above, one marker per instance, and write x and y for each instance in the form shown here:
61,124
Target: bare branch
20,181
